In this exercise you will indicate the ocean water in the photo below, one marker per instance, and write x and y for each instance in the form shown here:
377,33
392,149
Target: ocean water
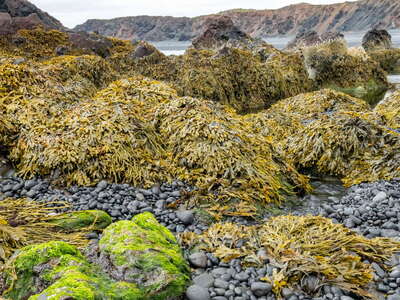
353,39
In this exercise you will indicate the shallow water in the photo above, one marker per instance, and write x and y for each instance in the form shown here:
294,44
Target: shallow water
353,39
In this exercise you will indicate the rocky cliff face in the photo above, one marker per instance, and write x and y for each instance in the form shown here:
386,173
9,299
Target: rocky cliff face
290,20
21,14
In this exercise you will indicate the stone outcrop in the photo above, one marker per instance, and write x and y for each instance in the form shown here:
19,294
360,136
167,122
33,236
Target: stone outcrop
20,14
220,31
377,39
290,20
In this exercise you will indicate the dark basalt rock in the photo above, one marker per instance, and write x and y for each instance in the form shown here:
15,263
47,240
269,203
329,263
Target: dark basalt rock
377,39
310,38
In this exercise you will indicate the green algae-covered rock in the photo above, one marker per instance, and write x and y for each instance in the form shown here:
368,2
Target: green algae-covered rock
94,219
56,270
145,252
135,260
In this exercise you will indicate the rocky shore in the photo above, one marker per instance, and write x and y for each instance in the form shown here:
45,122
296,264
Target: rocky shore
233,172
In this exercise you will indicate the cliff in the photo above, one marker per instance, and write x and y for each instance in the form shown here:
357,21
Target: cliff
349,16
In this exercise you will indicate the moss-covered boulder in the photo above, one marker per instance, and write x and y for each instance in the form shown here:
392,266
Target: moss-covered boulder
94,219
57,270
135,260
147,253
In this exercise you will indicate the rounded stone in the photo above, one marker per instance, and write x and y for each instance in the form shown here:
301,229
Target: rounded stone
196,292
261,288
198,260
186,217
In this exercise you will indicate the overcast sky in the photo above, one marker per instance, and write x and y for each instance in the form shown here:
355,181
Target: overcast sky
73,12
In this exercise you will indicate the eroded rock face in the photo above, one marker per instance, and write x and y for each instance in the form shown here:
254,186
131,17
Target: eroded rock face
220,31
95,43
377,39
18,14
311,38
138,259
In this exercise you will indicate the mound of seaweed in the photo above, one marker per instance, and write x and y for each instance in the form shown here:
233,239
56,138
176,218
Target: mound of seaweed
300,247
240,78
215,152
349,145
332,64
389,109
389,59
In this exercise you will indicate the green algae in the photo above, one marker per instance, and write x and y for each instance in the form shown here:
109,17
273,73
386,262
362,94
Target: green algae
145,245
94,219
148,252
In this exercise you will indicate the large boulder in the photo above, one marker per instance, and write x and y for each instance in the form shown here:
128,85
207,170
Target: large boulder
20,14
220,31
138,259
377,39
311,38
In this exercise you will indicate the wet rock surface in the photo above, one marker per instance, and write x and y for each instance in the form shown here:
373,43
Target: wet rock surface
311,38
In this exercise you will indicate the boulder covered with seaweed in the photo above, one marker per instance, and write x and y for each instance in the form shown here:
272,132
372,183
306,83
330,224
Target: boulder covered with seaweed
377,39
334,65
57,269
301,249
389,59
241,78
312,38
389,109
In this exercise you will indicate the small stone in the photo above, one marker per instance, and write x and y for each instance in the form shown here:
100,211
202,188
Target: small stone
394,297
222,284
395,273
383,288
140,197
346,298
204,280
186,217
379,197
378,270
198,260
261,288
242,276
196,292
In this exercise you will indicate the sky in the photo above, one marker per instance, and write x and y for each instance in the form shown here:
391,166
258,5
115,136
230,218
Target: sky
74,12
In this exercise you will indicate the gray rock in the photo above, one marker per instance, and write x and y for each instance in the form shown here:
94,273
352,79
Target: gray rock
196,292
205,280
346,298
222,284
140,197
378,270
261,288
379,197
394,297
186,217
395,273
198,260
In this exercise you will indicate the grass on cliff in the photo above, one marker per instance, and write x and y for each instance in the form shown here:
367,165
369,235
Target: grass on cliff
299,247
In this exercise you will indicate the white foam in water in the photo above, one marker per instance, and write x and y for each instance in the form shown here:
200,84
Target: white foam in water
353,39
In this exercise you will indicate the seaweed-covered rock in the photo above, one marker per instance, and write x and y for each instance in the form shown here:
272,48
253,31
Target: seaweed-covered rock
241,78
312,38
377,39
137,260
93,219
300,246
333,65
144,252
212,148
389,59
58,270
389,109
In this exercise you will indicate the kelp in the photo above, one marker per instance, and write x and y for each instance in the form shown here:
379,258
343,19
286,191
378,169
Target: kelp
389,59
24,222
109,136
242,79
213,150
389,109
300,247
352,146
332,64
